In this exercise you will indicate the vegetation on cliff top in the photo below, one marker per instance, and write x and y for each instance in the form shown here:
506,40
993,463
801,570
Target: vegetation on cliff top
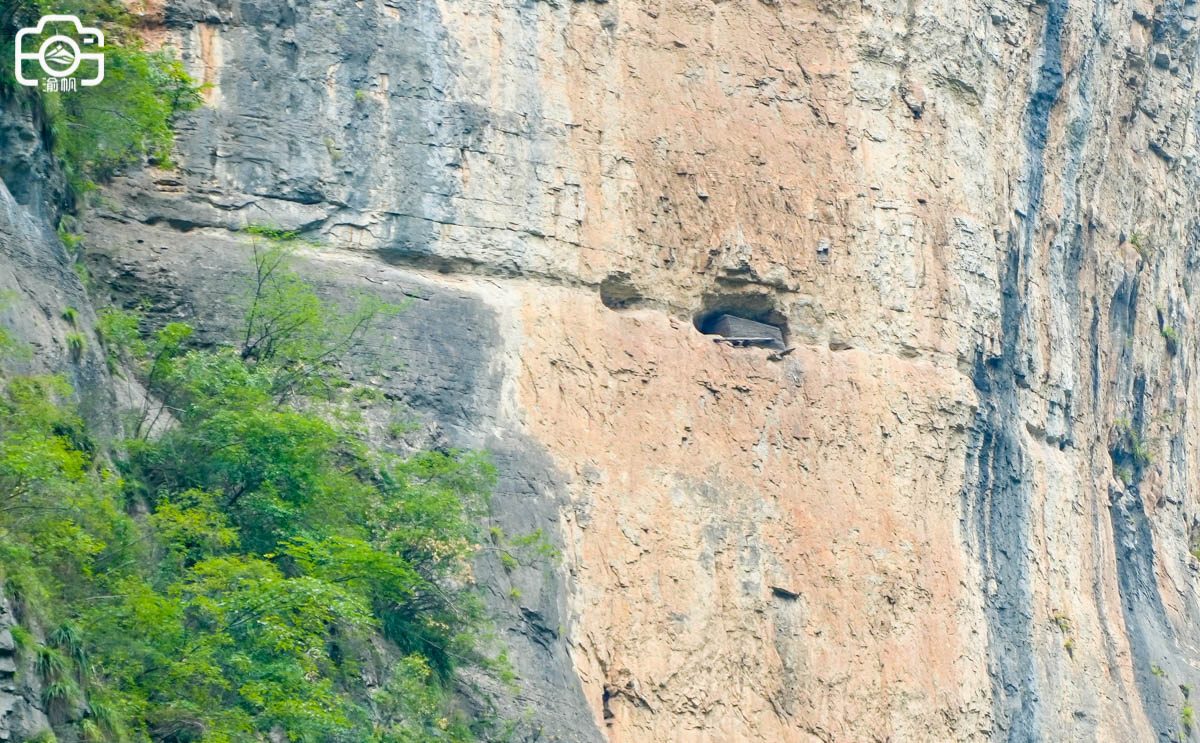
244,565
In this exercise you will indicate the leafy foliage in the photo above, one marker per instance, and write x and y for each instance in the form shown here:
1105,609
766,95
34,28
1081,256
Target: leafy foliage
1172,337
292,328
121,332
245,564
98,131
10,347
1142,245
1130,445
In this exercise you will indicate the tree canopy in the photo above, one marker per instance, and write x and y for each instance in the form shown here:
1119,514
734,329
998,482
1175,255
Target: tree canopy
243,563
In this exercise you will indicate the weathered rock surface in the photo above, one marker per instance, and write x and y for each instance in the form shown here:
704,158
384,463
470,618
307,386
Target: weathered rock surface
37,278
962,509
36,284
21,713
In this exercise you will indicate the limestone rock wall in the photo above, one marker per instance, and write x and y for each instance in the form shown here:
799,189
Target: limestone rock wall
38,279
37,283
961,509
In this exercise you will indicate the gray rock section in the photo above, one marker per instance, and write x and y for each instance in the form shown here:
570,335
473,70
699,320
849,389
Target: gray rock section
353,120
998,497
998,519
37,283
37,278
21,714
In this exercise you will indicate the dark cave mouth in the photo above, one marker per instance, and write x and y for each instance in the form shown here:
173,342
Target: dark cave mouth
743,319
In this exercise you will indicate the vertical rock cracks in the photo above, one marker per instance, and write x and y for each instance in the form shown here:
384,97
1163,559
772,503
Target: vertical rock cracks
1049,250
998,497
936,201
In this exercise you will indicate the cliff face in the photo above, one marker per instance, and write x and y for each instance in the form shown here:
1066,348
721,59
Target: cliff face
961,509
36,284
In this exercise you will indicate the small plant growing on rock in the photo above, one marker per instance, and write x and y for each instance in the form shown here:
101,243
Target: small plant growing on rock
272,233
1141,452
334,153
70,315
1157,670
1141,244
22,639
61,693
398,429
1187,718
50,663
72,241
1172,337
1131,443
76,343
1063,623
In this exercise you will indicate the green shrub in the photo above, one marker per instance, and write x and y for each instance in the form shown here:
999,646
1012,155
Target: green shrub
1172,337
1141,244
99,131
275,549
72,241
22,639
1131,442
76,343
398,429
272,234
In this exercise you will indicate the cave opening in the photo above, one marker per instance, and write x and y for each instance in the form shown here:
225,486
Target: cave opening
743,320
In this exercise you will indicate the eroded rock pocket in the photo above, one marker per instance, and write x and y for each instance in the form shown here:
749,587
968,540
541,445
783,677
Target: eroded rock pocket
618,292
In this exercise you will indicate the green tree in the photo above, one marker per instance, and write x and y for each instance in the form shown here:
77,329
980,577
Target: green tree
246,563
129,117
